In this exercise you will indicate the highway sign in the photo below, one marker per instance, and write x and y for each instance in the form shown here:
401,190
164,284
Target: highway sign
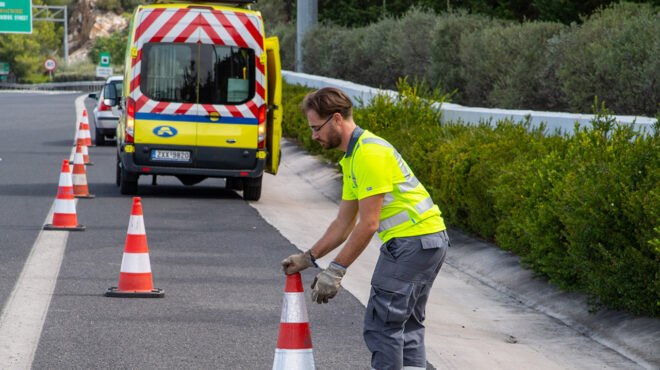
104,59
15,16
50,64
103,71
4,68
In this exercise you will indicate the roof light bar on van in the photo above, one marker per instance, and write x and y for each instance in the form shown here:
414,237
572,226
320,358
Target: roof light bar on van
229,2
130,120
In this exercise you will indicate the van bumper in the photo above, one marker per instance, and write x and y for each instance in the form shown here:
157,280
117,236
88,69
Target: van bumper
128,163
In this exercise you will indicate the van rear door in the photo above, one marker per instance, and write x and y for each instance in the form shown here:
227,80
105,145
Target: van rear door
164,86
231,89
274,99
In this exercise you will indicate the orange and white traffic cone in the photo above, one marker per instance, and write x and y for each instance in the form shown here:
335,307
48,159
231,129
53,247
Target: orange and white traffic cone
135,279
80,189
64,215
294,343
85,154
85,129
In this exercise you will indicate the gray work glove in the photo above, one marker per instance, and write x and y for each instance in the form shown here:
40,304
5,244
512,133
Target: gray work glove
297,262
326,283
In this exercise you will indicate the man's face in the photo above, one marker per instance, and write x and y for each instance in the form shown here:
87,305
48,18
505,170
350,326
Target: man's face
324,130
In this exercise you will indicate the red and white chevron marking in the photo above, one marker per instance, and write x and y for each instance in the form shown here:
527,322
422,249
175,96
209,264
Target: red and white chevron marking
192,26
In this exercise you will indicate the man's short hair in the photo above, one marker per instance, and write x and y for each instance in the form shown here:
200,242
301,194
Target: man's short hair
327,101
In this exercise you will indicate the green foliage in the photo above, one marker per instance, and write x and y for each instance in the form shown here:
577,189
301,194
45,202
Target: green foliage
581,209
115,44
511,66
615,55
26,53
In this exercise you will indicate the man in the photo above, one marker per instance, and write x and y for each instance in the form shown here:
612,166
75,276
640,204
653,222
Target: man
380,188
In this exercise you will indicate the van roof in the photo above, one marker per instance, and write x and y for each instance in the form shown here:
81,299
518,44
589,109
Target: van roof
233,3
218,5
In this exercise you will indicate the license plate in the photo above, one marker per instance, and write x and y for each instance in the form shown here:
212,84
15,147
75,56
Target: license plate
170,155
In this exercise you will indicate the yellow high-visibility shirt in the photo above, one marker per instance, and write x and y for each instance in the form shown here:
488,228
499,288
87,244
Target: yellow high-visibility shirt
372,166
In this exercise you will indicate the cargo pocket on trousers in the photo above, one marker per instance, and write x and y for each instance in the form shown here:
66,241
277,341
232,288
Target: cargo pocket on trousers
391,303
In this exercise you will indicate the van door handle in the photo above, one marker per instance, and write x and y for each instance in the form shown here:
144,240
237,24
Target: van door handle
231,141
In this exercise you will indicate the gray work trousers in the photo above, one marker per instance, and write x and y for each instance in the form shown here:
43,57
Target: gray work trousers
400,287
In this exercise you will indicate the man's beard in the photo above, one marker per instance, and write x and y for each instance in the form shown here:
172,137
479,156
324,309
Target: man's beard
333,141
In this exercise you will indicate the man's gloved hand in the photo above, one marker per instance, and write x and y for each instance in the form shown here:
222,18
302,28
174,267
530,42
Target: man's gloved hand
326,283
297,262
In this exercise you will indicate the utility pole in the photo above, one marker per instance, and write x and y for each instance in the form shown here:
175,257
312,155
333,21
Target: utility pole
307,17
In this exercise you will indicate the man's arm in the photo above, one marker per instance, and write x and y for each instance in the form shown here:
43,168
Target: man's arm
338,230
364,230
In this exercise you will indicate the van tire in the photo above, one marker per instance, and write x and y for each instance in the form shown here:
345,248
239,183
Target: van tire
128,183
118,173
100,138
252,188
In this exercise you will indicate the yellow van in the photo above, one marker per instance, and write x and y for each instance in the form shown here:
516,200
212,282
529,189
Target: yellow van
201,97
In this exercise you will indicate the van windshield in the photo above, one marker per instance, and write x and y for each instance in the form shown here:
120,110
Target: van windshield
178,72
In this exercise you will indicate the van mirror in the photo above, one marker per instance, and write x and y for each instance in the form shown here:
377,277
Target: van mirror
92,96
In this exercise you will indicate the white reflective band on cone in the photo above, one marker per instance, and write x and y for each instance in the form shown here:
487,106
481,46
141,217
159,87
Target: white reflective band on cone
65,206
294,359
79,179
135,263
293,308
136,225
65,179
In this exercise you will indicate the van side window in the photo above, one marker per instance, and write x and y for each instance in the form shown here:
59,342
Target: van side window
169,72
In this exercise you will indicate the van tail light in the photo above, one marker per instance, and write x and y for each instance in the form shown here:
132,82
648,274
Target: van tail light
103,107
262,128
130,120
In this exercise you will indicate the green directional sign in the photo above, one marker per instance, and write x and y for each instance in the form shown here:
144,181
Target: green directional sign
4,68
104,59
15,16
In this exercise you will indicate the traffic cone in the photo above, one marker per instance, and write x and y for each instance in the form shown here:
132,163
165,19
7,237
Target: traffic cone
135,279
85,154
294,343
79,176
64,215
85,129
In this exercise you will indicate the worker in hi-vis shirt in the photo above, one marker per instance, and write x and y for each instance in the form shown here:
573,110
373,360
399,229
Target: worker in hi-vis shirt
380,188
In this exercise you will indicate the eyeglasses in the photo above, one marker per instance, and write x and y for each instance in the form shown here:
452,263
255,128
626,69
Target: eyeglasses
317,129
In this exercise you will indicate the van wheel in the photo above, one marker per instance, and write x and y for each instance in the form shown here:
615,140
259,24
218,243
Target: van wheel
234,183
128,182
252,188
117,172
100,138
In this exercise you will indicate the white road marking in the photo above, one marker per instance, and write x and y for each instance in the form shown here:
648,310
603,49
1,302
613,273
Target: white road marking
24,314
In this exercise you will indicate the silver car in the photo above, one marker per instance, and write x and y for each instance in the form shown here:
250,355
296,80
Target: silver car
104,119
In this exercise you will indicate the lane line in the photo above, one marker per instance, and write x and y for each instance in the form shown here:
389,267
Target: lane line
24,314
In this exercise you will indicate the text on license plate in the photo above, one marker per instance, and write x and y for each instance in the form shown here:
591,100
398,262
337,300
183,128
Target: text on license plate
170,155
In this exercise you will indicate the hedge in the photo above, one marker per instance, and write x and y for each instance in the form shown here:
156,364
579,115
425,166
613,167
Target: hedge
614,54
582,209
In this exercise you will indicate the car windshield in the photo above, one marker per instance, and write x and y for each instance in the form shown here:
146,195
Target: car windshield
171,71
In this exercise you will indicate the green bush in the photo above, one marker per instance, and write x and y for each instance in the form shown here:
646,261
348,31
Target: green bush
115,44
445,65
614,55
581,209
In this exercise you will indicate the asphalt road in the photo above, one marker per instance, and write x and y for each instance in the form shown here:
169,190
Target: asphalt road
215,257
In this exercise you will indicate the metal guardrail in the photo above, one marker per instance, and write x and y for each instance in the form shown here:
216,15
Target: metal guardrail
88,86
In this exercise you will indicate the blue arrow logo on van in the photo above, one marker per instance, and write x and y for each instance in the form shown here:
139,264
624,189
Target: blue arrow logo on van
165,131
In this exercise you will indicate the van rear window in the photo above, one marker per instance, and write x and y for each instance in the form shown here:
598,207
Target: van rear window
197,73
